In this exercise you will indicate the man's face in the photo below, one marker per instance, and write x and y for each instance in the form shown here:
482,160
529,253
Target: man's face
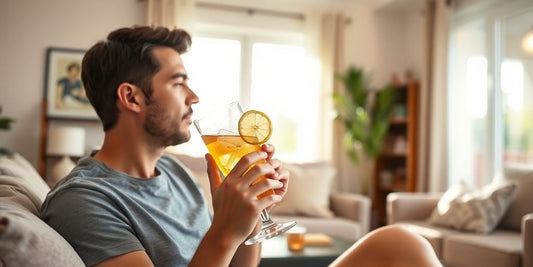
168,116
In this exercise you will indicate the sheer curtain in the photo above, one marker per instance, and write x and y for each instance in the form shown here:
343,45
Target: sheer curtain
332,61
434,177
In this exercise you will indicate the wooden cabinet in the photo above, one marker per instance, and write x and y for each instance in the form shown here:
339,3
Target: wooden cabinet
395,167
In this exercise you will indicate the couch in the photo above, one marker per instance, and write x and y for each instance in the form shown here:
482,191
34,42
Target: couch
25,240
510,244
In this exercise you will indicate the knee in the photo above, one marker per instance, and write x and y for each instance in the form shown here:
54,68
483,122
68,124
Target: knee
390,246
396,234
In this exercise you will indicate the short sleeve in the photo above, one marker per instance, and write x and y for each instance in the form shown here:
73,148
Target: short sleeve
92,223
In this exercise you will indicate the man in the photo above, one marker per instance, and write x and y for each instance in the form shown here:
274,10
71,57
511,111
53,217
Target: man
128,204
70,88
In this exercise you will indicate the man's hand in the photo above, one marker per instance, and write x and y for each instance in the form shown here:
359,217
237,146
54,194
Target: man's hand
237,208
281,174
235,202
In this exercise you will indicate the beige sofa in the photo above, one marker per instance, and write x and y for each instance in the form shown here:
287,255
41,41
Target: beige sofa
25,240
509,245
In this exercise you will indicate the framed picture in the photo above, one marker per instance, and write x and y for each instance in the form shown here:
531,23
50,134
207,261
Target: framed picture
64,90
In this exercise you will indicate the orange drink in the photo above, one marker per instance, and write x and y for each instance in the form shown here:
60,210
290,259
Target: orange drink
296,238
228,150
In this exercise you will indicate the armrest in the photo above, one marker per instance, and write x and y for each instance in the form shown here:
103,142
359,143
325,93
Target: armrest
527,239
410,206
352,206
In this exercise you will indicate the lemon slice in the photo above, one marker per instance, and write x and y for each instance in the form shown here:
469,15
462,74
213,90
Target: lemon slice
255,127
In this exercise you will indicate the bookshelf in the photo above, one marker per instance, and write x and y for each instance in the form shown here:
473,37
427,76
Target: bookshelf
395,167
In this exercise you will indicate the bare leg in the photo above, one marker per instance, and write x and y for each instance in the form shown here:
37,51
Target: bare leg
389,246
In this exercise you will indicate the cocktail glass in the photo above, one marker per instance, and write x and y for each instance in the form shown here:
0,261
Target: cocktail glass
219,131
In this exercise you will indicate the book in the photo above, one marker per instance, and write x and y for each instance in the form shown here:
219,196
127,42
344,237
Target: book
317,239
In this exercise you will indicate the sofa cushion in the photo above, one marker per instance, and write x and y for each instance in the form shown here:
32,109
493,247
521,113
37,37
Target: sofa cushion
434,234
309,190
499,248
18,192
25,240
17,166
479,211
339,227
522,202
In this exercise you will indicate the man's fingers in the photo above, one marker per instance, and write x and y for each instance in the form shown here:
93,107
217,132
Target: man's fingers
248,160
268,148
212,171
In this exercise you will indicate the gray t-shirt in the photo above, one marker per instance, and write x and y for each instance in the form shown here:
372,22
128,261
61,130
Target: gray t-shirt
104,213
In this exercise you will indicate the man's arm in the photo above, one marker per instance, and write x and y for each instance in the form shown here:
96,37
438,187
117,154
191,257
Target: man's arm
248,255
134,259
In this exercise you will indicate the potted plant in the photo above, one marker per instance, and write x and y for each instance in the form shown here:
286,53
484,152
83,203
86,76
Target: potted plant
365,114
5,124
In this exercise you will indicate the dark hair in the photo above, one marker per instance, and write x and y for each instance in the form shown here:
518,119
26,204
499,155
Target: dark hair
126,56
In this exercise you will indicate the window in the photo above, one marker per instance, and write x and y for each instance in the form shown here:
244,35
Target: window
490,91
468,104
267,74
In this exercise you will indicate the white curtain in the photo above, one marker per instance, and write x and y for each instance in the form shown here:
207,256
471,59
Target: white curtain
332,61
437,101
171,13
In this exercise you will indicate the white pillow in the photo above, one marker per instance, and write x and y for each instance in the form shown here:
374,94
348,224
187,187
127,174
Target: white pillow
25,240
478,211
308,192
17,166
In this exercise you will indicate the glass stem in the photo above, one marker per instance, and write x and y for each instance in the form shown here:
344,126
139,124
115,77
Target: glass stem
266,222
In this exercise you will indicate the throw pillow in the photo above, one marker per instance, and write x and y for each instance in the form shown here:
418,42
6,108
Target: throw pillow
309,190
17,192
25,240
521,204
17,166
478,211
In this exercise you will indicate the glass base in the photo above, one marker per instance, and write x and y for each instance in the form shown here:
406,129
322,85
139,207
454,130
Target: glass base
269,231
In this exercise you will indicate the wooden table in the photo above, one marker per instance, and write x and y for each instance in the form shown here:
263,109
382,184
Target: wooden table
275,253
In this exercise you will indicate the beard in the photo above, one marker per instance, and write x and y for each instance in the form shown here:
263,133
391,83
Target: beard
163,127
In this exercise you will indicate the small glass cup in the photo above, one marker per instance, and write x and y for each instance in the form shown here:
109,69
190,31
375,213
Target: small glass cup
296,238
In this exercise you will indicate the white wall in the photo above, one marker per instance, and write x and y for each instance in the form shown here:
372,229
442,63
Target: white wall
27,29
386,41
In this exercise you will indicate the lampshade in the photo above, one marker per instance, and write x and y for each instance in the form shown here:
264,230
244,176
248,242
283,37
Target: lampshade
66,140
527,42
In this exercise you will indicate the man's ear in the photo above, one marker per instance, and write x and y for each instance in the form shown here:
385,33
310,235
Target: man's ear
130,96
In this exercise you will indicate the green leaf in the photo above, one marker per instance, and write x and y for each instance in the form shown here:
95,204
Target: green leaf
5,123
366,128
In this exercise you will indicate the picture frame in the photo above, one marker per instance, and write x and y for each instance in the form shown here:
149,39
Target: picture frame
64,90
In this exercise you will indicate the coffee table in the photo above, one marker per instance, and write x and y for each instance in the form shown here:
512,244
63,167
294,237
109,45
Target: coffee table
276,254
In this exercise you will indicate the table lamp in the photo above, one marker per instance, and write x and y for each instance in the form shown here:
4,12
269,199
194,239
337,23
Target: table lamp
65,141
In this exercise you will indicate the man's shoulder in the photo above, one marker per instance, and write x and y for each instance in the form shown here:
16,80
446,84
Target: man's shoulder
84,181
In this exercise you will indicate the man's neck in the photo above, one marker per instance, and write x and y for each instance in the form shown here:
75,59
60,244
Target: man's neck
129,154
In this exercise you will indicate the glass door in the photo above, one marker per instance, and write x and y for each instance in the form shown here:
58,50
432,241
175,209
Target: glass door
490,91
516,87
